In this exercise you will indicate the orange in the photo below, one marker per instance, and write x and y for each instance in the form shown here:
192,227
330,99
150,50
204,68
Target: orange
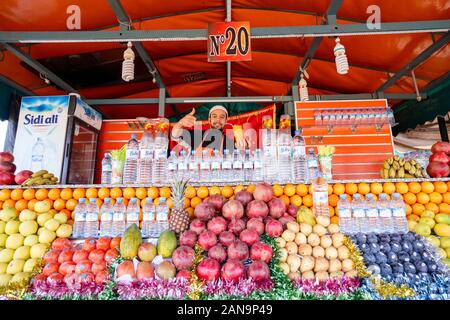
115,193
227,191
277,190
408,209
186,203
444,208
376,188
414,187
169,203
307,200
238,188
165,192
251,188
427,187
440,186
432,207
195,201
31,204
330,189
190,192
285,199
103,193
335,220
41,194
59,204
310,189
448,185
446,197
363,188
351,188
28,194
91,193
78,193
67,213
296,200
436,197
413,217
5,194
129,193
401,187
388,187
202,192
423,198
301,190
331,209
289,190
21,204
17,194
338,189
153,192
54,194
410,198
418,208
214,190
10,203
70,204
190,211
333,200
50,202
66,194
141,193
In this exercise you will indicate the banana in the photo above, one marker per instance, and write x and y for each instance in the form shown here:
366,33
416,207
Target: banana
392,173
47,175
395,165
418,166
39,173
418,174
55,179
413,162
401,173
390,161
407,166
409,176
32,181
385,173
412,170
401,162
386,164
396,158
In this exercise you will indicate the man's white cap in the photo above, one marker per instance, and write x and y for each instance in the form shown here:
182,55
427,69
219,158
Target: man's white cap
218,107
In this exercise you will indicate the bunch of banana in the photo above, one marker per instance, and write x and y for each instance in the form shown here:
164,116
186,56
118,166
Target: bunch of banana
397,168
42,177
325,151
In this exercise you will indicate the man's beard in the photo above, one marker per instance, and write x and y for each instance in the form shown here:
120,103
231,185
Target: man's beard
217,126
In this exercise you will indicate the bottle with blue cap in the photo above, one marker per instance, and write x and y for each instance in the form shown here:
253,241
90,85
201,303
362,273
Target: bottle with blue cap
132,215
130,168
79,218
91,224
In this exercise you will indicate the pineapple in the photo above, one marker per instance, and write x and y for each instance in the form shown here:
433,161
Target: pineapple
179,218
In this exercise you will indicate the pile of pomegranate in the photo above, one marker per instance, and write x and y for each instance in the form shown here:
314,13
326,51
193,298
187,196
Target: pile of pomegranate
439,164
229,232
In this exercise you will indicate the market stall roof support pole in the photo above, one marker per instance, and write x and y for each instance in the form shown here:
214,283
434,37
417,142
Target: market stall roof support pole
416,62
162,102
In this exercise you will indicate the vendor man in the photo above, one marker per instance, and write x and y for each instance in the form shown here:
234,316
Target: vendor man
189,137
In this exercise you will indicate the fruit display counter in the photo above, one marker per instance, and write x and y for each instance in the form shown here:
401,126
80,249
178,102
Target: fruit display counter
253,241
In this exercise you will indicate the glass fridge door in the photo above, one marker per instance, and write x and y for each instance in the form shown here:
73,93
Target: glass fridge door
82,155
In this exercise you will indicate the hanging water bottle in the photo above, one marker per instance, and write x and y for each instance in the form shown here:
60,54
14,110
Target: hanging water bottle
131,161
106,169
106,217
79,219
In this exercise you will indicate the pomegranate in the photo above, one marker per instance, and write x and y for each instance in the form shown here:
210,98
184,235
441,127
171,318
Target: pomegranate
285,219
441,146
249,237
438,169
6,178
233,270
218,253
258,271
261,252
217,225
7,167
277,208
207,239
257,209
217,201
292,210
204,211
263,192
22,176
208,269
440,157
244,197
185,274
197,226
233,209
256,224
236,226
188,238
6,157
183,257
274,228
238,250
226,238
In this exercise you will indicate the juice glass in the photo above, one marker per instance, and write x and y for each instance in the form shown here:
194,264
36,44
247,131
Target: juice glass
267,122
285,122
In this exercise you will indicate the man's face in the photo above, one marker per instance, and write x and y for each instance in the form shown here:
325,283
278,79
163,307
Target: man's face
218,118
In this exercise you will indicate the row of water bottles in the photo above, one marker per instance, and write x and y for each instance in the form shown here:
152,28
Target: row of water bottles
369,215
112,220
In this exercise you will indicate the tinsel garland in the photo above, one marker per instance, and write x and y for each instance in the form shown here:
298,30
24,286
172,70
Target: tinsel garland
176,288
109,292
333,286
60,290
18,290
384,289
241,288
196,285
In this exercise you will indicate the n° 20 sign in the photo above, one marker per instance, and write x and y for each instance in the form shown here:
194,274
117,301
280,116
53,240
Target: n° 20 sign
229,41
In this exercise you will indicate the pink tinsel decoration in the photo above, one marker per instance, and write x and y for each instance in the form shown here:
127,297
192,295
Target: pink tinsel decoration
60,289
243,287
332,286
153,288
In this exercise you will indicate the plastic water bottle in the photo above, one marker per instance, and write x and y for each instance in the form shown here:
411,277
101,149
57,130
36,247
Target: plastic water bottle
385,214
162,218
299,167
400,224
118,218
345,215
132,213
131,161
107,169
320,197
106,217
227,166
358,213
91,224
182,165
37,155
193,167
372,222
215,166
248,166
238,166
160,159
284,156
148,218
205,167
172,166
313,165
146,159
79,219
258,172
269,142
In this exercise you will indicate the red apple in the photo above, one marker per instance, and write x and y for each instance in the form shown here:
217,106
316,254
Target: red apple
6,156
22,176
6,178
7,167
